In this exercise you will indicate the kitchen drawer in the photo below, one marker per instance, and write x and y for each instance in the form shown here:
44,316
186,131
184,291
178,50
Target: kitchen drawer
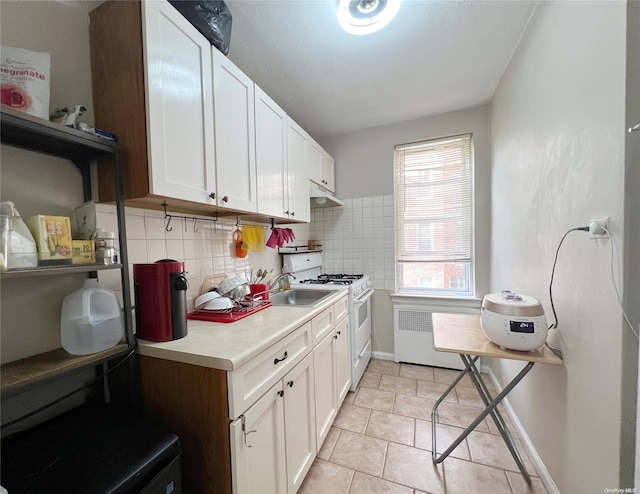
322,325
341,308
255,377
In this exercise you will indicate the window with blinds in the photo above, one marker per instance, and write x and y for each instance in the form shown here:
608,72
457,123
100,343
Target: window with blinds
434,216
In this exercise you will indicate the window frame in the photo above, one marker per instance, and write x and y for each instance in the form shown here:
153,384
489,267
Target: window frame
469,266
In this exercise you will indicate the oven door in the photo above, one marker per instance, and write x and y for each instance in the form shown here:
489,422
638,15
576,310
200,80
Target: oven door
362,321
360,336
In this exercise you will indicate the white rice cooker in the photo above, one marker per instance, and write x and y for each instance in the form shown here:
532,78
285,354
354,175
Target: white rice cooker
513,321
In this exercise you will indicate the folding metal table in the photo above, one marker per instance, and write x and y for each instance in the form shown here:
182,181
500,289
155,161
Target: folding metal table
461,333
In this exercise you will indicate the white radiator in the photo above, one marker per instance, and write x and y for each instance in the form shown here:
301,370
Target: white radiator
413,336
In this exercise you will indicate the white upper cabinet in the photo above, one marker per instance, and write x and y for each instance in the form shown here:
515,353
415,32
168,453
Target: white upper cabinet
314,158
179,93
328,172
297,172
235,135
271,156
321,166
281,162
186,119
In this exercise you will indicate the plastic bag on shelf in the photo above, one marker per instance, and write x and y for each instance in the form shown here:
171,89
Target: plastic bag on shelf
17,246
211,18
24,77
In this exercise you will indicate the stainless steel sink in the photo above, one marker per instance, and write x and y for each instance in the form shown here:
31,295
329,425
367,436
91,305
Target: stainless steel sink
298,297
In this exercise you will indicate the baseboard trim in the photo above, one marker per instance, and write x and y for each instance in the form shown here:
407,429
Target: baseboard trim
382,355
541,469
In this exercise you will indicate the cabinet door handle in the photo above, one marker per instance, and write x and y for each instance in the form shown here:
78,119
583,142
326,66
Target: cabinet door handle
281,393
225,199
335,336
286,212
284,357
293,213
245,432
212,195
290,384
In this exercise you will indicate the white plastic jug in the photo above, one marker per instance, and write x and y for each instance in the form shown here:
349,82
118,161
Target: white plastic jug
91,320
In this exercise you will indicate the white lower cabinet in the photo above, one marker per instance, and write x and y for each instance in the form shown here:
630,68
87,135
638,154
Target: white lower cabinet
332,365
258,446
257,428
324,363
343,360
273,443
300,422
290,395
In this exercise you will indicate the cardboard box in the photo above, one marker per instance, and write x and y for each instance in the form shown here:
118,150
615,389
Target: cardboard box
53,238
85,221
83,252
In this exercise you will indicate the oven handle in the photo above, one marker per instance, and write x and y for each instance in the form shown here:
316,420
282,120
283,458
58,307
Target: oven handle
364,297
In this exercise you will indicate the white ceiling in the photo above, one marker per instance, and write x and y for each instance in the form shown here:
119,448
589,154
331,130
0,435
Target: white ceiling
434,57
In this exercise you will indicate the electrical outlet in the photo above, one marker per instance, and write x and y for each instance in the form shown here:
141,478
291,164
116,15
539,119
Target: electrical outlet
597,227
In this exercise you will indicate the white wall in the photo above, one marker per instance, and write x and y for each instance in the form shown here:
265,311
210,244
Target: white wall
557,141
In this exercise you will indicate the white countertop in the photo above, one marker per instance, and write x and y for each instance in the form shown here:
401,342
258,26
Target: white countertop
227,346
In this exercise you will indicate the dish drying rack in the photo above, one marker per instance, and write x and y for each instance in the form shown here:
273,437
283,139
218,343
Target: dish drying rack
241,309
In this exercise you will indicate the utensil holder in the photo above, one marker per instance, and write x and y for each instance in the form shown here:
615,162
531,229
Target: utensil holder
260,290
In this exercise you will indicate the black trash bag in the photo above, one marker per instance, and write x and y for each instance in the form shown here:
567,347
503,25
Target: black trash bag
211,18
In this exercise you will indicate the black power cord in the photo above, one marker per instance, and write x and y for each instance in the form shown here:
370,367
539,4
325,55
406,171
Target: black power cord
555,316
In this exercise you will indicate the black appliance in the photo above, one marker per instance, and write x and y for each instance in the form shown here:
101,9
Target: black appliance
92,449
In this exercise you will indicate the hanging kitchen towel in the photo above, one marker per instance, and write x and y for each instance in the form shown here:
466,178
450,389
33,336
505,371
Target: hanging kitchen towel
274,239
253,238
288,235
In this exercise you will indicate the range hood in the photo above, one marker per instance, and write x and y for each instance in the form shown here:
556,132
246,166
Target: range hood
321,198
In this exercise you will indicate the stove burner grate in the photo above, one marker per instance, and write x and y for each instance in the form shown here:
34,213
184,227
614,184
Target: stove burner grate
333,279
341,276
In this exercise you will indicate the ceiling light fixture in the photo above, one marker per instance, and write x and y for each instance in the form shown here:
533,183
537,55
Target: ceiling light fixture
366,16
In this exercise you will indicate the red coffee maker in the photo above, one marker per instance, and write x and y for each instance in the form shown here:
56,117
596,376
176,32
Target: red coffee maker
160,291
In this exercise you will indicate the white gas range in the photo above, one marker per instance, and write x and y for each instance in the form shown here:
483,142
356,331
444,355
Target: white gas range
307,268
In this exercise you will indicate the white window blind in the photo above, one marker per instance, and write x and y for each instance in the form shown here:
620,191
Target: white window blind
433,196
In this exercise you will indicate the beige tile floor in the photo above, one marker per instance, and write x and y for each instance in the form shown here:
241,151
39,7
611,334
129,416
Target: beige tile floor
380,441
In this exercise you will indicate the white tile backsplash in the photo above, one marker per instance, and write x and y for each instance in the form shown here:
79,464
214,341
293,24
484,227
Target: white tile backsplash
156,249
359,237
175,249
206,248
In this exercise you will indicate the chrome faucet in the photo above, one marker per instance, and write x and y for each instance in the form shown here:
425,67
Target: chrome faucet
283,281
